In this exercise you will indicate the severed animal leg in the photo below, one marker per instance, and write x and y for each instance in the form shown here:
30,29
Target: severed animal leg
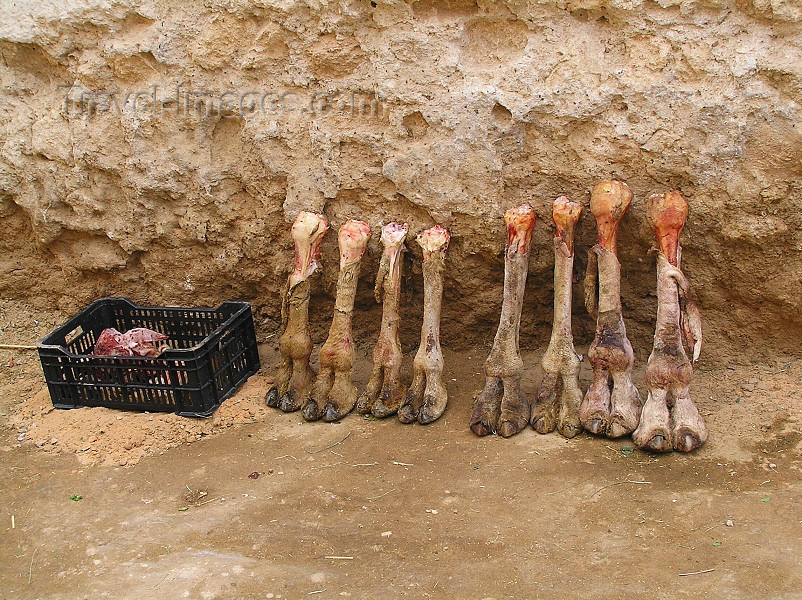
334,394
609,408
427,396
669,419
559,396
295,376
384,392
502,407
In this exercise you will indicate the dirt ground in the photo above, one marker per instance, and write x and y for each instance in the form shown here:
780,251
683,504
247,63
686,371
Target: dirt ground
253,503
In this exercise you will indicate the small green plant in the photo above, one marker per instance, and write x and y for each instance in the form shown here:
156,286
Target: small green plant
76,497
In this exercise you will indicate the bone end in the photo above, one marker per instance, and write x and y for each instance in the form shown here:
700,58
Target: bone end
307,233
394,234
520,225
566,214
353,239
433,240
609,201
666,214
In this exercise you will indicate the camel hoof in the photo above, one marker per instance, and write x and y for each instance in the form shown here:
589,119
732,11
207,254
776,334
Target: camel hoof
543,425
271,398
380,411
686,441
658,443
287,403
618,429
406,414
481,428
311,412
425,416
331,413
570,430
596,426
508,429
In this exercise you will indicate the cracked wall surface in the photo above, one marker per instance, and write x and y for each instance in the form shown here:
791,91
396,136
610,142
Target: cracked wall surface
160,150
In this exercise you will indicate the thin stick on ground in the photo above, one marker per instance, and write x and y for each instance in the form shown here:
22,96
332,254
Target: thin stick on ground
381,495
340,557
30,566
332,446
619,483
16,347
696,572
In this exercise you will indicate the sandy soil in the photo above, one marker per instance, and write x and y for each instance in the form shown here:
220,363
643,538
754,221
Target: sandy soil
254,503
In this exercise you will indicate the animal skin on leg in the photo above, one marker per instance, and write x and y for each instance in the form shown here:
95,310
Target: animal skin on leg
427,397
502,407
559,396
670,419
334,394
295,376
612,404
384,392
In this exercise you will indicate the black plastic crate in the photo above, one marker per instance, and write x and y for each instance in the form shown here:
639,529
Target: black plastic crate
213,351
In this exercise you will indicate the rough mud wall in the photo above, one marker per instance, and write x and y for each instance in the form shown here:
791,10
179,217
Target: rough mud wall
462,109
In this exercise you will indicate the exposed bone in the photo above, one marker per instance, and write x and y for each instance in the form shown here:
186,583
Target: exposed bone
384,393
670,419
334,394
502,407
559,396
427,396
611,410
295,376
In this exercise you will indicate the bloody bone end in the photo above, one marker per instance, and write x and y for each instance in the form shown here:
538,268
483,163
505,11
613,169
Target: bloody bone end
307,233
353,239
566,214
393,235
520,225
433,240
609,201
666,214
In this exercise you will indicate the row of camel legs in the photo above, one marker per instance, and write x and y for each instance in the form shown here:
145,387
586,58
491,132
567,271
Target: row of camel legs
612,406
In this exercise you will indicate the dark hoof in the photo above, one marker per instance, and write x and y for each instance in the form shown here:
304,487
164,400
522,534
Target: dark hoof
686,441
311,412
380,411
287,403
481,428
425,417
543,425
331,413
617,430
362,406
271,398
508,429
406,414
596,426
570,431
659,443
